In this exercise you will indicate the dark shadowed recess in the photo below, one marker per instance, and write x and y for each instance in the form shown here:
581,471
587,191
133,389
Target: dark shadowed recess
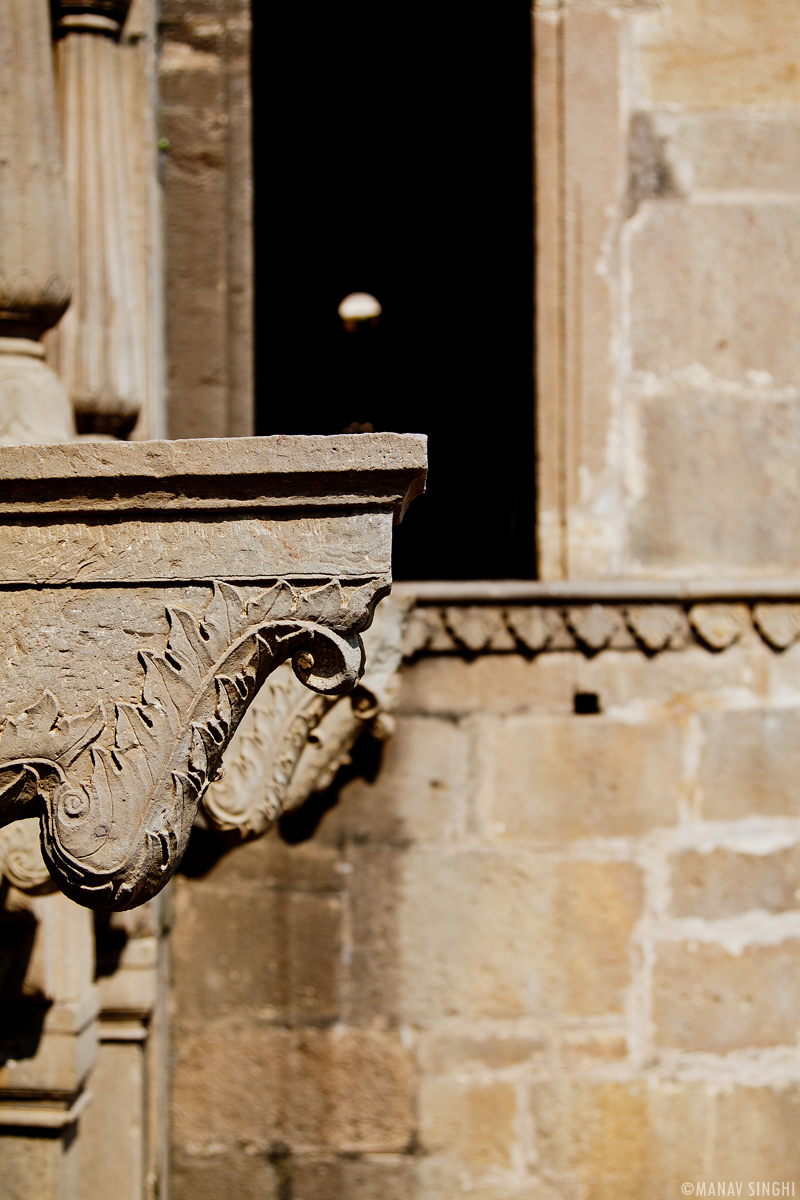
206,848
392,150
22,1012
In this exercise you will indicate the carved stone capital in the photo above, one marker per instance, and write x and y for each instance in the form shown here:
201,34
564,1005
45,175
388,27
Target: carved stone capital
89,16
146,602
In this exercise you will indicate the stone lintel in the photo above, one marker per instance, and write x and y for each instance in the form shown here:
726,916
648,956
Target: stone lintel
610,591
378,471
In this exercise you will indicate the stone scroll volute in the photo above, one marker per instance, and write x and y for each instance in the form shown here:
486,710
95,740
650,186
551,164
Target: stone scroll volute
116,784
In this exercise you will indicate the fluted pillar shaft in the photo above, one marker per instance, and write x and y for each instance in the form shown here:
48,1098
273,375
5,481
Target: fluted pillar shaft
34,229
99,344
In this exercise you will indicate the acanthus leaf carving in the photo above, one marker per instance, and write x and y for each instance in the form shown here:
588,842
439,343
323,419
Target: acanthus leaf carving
116,812
21,860
291,744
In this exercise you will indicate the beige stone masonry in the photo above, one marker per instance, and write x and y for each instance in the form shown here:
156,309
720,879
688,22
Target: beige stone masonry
581,926
666,198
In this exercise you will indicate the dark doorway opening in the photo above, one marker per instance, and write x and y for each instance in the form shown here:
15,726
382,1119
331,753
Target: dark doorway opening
392,150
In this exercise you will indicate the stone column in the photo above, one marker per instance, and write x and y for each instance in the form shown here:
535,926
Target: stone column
99,345
48,1025
34,249
129,1082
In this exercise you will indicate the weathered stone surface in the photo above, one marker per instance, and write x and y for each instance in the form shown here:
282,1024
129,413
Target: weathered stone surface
205,114
474,1120
290,968
506,935
534,626
33,404
567,777
100,347
38,1166
139,551
446,1050
479,626
373,1177
657,625
594,625
291,742
247,1176
749,762
731,152
778,624
692,515
35,255
718,56
723,883
672,682
582,1051
579,158
439,1178
705,998
46,988
502,966
290,971
116,819
118,1079
454,686
719,625
420,791
629,1139
374,886
249,1083
732,263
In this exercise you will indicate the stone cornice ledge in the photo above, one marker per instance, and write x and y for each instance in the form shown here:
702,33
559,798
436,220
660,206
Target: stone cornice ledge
147,591
385,470
608,591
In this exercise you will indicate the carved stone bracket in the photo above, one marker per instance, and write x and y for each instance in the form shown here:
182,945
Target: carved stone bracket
291,744
90,537
115,827
21,861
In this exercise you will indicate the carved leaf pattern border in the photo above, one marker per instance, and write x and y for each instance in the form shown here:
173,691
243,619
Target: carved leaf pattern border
111,839
590,628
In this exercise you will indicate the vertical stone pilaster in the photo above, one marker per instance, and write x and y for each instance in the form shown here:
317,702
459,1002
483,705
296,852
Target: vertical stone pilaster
208,183
48,1041
580,160
129,1081
99,345
34,252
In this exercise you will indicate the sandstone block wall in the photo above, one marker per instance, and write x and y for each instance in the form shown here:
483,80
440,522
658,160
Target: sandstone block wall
548,944
667,238
531,953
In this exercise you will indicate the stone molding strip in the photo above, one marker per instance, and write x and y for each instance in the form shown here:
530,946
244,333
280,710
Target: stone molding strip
382,470
35,1116
604,590
549,624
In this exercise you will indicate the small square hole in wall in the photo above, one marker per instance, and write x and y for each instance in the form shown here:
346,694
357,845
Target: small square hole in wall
587,703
